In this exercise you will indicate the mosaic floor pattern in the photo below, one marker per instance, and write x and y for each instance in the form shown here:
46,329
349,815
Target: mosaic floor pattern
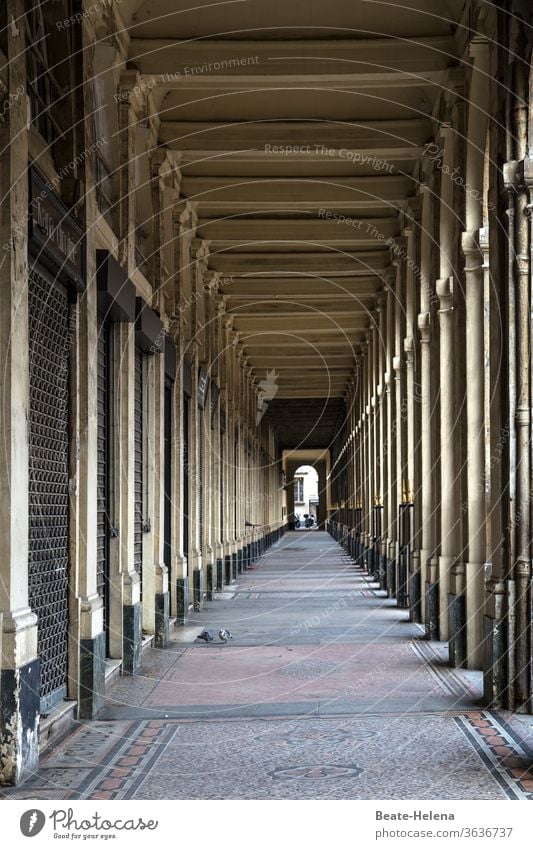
325,692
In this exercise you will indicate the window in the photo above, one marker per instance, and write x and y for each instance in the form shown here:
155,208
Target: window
298,489
44,92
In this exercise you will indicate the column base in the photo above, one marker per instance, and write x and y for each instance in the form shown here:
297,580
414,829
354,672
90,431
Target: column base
19,722
162,602
210,587
391,578
228,569
219,575
432,611
402,581
382,571
131,638
457,626
234,566
92,677
182,600
494,667
415,597
198,589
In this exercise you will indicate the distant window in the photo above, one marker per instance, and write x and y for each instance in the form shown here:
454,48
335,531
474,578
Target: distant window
298,489
44,93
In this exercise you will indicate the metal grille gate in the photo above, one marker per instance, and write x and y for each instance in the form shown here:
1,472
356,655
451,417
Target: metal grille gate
138,463
201,479
103,523
167,537
186,473
48,480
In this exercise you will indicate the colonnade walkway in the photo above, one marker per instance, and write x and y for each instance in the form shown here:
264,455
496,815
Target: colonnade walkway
325,690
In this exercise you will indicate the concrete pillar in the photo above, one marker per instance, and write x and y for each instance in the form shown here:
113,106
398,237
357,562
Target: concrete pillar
399,260
125,627
156,598
19,676
449,449
87,649
392,424
475,380
428,414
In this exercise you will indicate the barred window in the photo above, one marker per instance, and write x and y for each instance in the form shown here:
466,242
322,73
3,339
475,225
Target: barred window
44,92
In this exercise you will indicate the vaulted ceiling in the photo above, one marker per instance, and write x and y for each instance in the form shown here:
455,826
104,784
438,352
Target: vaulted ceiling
299,127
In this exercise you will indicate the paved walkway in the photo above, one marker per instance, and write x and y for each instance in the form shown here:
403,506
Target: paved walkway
325,691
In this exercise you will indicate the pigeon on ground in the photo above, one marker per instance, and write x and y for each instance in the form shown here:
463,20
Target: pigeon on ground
205,635
225,635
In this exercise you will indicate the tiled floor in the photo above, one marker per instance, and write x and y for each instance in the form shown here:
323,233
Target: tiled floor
325,691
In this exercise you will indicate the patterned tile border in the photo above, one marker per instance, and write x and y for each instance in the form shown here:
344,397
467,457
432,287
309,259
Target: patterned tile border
448,678
507,760
138,758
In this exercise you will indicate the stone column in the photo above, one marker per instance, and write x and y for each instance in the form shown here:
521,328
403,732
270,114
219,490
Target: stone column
125,629
410,513
87,649
390,394
19,679
475,378
179,586
155,573
370,464
399,260
382,446
427,415
518,175
450,499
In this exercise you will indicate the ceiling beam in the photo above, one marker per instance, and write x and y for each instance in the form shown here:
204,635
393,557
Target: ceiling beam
310,288
353,157
374,190
331,231
188,60
326,262
378,137
274,309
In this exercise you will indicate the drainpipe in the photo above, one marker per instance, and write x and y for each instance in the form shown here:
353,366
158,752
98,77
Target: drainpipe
522,565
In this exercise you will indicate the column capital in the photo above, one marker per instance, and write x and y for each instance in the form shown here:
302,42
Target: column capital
444,288
478,49
381,300
389,278
445,130
424,327
188,220
409,348
398,250
471,247
413,210
514,176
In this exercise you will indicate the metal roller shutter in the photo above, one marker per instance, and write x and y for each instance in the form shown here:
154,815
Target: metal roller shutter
138,463
167,540
221,496
201,479
48,425
235,482
186,473
103,524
